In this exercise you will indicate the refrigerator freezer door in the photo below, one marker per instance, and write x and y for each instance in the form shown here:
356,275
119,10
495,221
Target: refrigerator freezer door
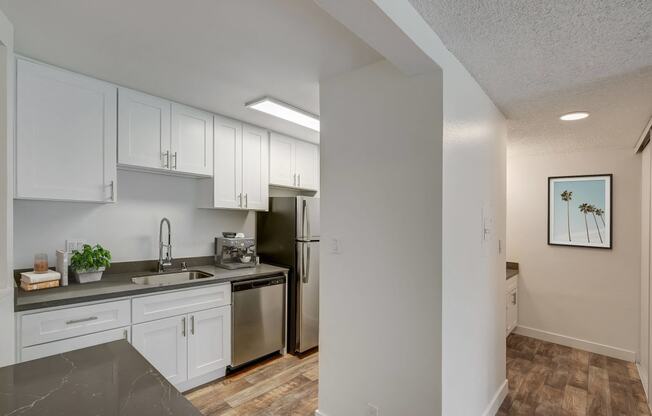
308,219
308,296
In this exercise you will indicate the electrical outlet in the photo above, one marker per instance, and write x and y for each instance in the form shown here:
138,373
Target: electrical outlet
74,244
372,410
335,246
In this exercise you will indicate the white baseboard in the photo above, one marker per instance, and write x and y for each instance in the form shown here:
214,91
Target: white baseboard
497,400
642,374
581,344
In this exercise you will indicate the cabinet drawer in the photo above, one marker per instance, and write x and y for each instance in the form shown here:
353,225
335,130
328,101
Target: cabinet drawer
71,344
49,326
149,308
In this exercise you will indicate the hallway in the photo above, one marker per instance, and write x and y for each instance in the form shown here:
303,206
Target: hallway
550,379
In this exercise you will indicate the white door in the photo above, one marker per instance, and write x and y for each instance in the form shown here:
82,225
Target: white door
163,344
307,165
192,140
281,160
209,344
66,135
143,130
255,168
227,177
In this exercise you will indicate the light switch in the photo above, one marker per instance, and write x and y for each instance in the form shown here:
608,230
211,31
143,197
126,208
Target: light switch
335,246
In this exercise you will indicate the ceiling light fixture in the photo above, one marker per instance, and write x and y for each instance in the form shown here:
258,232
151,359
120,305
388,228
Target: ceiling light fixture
576,115
285,111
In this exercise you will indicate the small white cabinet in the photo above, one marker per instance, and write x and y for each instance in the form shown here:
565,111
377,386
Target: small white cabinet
209,347
192,140
164,344
65,135
241,175
156,134
512,304
293,163
143,130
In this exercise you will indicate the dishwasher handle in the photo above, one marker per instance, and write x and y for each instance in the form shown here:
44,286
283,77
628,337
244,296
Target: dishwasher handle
257,283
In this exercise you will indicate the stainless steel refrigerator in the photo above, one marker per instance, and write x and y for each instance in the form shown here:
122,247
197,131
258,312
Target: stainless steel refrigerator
288,235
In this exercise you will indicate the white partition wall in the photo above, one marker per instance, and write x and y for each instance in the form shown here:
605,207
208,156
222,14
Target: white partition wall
6,192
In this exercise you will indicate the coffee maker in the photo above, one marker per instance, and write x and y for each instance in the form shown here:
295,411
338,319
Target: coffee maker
235,253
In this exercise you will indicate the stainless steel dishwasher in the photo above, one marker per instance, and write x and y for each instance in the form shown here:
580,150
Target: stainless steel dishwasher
258,308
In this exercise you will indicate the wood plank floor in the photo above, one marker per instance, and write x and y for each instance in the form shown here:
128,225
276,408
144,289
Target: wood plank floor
550,379
284,385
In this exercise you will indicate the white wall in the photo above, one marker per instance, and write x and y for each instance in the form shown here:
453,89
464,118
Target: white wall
380,316
584,294
6,191
130,227
473,323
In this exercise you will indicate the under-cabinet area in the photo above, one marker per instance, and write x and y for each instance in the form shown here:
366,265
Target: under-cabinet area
74,132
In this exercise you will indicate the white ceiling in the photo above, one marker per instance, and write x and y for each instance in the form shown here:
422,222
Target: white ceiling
540,59
212,54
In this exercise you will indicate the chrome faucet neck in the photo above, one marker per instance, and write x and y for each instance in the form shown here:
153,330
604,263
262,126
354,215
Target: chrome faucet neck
167,261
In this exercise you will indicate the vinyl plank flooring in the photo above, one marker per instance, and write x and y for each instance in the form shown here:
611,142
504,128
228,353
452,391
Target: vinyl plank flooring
553,380
284,385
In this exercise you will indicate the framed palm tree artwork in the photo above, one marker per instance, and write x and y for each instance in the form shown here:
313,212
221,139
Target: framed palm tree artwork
579,211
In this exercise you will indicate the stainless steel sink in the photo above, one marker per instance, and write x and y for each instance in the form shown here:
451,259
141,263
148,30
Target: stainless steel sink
170,278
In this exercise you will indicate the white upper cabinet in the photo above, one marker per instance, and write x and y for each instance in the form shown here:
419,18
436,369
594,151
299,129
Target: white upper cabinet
306,162
293,163
281,160
255,168
241,176
65,135
192,140
157,134
227,177
143,130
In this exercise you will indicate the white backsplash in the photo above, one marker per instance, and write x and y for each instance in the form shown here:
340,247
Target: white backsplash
128,228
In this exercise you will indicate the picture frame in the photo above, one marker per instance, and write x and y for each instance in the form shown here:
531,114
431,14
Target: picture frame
580,211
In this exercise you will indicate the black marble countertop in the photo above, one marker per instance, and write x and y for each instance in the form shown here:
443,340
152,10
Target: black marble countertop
120,285
108,379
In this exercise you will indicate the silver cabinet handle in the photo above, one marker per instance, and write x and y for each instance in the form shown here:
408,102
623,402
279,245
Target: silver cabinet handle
78,321
246,200
295,179
299,184
513,298
183,326
175,161
240,197
166,159
112,190
126,335
192,324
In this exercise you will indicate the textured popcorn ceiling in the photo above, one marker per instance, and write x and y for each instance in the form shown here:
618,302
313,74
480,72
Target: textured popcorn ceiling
540,59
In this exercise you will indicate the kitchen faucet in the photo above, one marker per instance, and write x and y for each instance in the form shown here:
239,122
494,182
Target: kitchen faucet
167,262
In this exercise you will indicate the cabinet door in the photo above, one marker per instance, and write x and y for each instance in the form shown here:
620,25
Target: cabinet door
143,130
163,344
307,165
255,168
192,140
512,310
66,135
227,178
209,344
281,160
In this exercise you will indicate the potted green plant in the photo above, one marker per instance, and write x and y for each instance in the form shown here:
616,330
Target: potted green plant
88,264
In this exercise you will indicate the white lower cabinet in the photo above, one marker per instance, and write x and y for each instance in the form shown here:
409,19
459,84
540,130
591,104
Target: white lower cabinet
187,346
209,344
164,344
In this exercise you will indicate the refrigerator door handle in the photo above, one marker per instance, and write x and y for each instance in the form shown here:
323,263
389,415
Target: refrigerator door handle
306,273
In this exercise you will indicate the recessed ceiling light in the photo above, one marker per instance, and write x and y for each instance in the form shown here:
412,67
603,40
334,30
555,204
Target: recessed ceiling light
285,111
577,115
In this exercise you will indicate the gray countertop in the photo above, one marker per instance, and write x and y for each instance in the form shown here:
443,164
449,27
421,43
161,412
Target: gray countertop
119,285
108,379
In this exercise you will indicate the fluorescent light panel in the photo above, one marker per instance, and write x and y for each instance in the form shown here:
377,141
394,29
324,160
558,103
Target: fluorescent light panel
577,115
286,112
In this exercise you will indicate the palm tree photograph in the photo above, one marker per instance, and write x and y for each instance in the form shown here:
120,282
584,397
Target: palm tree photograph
579,211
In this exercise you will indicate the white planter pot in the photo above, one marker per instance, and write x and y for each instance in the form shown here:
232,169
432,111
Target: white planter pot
87,276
